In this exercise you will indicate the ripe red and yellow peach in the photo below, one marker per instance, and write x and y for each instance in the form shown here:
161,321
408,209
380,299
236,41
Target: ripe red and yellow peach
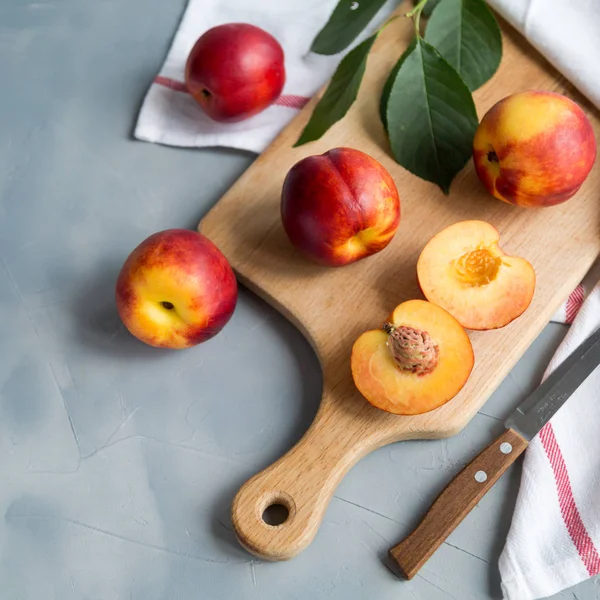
176,289
235,71
340,206
464,270
534,149
420,359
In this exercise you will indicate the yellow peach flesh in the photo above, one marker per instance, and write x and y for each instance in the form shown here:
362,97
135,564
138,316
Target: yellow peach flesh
463,270
386,386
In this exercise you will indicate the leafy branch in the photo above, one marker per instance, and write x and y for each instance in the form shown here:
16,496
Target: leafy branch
426,105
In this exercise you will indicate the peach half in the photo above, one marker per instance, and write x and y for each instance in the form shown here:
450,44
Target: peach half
464,270
420,359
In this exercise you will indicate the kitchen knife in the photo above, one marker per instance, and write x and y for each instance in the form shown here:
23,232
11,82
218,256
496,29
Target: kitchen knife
474,481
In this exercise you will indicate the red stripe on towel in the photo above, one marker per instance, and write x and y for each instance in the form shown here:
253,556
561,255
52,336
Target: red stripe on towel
292,101
570,514
574,303
289,101
172,84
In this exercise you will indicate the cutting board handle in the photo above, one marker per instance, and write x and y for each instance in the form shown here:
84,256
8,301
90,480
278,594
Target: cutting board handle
303,481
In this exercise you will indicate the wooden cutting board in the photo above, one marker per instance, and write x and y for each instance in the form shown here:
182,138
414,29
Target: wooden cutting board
333,306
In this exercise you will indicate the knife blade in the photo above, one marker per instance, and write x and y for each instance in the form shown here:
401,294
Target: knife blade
479,476
540,406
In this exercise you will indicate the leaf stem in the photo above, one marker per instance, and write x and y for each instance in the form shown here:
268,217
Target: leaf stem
386,23
415,15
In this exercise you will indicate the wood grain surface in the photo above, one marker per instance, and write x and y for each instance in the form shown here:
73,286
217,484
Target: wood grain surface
456,501
333,306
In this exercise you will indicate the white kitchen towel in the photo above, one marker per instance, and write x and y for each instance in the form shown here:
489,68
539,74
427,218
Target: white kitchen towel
566,33
568,311
169,115
554,539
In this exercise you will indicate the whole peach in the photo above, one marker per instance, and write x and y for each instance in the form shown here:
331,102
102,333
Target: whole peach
534,148
339,207
235,71
176,289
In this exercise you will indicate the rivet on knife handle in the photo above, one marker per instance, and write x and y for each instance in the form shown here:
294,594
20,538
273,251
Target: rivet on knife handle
456,501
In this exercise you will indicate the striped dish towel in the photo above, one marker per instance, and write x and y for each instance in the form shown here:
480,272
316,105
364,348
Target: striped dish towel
569,310
554,539
169,115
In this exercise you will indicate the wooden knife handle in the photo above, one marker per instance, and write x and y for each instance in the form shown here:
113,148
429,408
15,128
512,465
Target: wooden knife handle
456,501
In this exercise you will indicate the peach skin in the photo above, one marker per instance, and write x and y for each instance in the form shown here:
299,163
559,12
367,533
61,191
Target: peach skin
534,149
176,289
234,71
339,207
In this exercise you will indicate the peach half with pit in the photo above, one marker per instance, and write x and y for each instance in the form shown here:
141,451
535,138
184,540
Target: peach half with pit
464,270
419,359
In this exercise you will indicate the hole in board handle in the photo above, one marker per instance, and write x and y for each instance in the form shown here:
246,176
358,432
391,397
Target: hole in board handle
275,514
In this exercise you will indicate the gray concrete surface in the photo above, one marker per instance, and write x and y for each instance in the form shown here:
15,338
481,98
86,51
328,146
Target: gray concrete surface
118,462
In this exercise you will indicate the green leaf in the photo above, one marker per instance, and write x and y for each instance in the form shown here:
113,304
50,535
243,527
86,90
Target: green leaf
431,117
467,35
340,93
348,19
428,8
387,88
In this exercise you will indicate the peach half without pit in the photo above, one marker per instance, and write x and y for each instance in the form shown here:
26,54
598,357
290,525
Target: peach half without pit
464,270
420,359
